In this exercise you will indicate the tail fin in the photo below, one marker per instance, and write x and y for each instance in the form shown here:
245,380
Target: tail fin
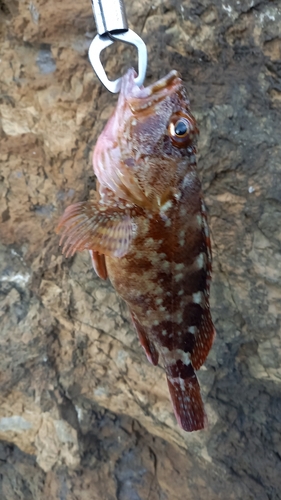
186,397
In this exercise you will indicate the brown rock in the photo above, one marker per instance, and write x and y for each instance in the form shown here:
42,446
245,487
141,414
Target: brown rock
82,413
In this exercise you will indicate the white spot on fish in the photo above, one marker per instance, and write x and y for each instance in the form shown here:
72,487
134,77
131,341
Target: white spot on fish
206,229
187,181
198,297
178,317
203,207
158,301
166,206
176,354
183,211
166,264
183,356
158,290
182,238
155,322
199,219
200,261
149,242
154,258
181,292
179,276
193,330
179,267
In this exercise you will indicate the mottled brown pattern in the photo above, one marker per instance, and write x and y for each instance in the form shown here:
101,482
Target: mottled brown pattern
195,282
179,369
174,338
153,233
192,315
186,342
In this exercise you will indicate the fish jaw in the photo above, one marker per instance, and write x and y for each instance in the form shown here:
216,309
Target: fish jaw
135,157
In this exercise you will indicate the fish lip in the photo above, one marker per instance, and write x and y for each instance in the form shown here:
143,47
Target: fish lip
140,98
171,80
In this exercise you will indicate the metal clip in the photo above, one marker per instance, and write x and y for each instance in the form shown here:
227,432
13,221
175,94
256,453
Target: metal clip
112,26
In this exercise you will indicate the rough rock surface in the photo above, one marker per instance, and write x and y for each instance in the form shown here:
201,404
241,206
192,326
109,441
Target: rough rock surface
82,413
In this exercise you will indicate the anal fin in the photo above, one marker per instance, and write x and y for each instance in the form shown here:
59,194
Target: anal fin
150,349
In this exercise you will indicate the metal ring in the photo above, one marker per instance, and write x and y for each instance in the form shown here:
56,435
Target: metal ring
101,42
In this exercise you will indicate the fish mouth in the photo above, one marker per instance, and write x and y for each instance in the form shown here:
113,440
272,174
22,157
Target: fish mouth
168,82
145,97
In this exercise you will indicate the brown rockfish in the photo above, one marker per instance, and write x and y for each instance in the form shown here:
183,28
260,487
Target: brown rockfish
147,231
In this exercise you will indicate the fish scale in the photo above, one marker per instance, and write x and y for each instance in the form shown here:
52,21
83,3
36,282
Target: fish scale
147,231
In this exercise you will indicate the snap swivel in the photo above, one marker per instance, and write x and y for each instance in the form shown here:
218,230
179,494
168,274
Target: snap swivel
112,26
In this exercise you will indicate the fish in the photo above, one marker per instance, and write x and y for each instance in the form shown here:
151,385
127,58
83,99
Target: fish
146,230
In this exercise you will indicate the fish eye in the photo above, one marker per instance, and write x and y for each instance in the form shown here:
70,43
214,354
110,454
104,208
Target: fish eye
181,127
182,130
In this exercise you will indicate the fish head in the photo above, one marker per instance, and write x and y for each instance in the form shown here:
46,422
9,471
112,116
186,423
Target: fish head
148,145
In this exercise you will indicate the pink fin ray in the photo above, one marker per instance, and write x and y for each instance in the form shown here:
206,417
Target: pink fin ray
99,265
150,349
90,226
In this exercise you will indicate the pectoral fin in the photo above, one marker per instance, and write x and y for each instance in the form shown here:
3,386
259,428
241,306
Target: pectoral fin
91,226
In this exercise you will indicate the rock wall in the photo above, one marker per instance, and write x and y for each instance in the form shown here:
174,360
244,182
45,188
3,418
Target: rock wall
82,413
